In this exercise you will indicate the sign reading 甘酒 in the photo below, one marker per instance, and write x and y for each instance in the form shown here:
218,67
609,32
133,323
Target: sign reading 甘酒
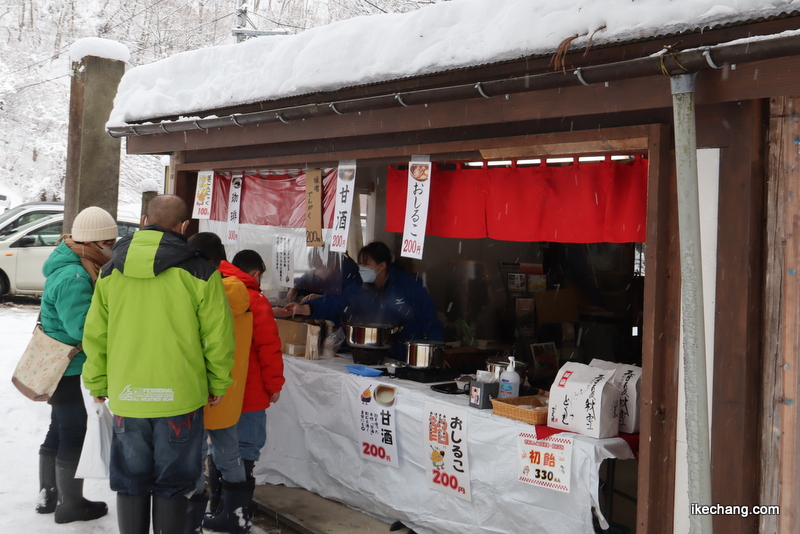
375,421
345,189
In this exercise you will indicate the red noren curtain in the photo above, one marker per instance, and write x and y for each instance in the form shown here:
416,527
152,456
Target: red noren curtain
580,203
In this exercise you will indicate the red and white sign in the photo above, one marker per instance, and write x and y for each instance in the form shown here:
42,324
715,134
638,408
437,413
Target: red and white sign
417,198
445,448
234,201
375,422
203,194
544,462
345,189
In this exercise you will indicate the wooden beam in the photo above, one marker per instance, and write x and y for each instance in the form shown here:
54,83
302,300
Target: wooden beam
660,328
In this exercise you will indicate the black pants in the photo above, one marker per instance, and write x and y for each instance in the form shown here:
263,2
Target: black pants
67,420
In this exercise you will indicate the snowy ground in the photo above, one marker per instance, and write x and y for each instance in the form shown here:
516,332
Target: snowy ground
23,425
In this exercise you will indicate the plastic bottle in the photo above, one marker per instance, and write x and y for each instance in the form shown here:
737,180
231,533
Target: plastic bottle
509,381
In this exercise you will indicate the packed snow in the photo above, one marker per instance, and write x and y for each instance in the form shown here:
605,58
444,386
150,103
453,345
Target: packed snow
97,47
379,48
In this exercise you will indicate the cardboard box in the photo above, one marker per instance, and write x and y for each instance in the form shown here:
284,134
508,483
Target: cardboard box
292,331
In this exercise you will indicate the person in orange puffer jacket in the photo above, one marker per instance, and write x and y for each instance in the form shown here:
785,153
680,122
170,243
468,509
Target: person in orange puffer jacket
264,383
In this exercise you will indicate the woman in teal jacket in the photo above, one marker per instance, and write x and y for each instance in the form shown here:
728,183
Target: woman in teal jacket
70,272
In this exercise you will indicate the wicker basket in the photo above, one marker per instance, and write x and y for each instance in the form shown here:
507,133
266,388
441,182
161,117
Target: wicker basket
511,408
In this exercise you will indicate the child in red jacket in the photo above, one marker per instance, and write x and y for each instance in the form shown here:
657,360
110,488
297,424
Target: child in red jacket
263,387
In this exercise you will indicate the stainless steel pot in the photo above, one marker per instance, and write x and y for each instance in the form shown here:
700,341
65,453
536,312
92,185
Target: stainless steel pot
370,336
498,364
423,354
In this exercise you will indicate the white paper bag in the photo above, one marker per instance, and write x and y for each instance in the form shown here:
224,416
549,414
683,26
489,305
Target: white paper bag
628,379
584,399
96,453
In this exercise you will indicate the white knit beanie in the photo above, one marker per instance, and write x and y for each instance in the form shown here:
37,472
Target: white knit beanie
94,224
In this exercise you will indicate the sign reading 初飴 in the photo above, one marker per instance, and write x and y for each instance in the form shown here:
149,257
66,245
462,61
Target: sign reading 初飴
203,194
445,449
234,201
373,408
313,208
419,190
345,189
544,462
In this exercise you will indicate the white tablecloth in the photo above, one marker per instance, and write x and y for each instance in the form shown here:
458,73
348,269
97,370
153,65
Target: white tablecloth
312,443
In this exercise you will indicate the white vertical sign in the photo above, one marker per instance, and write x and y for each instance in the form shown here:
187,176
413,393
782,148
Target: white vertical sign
284,268
203,194
419,184
373,408
544,462
234,201
345,190
445,449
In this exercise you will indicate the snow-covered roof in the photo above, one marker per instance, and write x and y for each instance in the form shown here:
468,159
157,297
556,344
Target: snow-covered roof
380,48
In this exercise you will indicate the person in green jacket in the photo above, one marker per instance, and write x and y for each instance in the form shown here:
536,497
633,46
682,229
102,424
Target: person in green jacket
159,344
70,273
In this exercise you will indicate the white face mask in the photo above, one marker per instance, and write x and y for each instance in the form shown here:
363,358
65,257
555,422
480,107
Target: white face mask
367,274
107,252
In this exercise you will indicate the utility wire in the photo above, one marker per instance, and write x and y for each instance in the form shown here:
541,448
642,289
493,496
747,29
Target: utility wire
40,83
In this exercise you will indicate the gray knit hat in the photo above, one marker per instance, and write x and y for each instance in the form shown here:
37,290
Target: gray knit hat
94,224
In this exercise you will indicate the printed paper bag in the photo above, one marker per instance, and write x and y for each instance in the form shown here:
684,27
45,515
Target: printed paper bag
584,399
628,379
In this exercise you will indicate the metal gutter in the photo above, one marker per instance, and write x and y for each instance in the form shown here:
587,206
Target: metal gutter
671,62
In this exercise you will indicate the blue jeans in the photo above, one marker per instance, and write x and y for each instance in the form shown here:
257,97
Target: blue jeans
224,449
252,431
160,454
67,420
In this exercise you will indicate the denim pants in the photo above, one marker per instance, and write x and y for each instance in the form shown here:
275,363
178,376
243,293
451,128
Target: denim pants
67,420
224,449
160,454
252,432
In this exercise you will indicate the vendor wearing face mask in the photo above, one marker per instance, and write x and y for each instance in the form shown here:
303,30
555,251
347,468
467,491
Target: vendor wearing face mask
388,296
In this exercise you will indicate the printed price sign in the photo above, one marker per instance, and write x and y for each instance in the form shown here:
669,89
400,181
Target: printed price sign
283,266
375,417
419,190
345,190
203,194
314,208
445,448
544,462
234,201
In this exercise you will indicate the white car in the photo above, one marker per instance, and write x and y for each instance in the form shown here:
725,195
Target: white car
24,251
22,214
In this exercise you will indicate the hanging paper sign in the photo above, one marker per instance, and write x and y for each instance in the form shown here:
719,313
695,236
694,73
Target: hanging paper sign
419,189
344,206
203,194
445,450
373,407
314,208
283,262
544,462
234,201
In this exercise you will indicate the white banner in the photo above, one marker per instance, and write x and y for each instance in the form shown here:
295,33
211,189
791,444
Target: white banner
544,462
283,265
234,201
445,449
345,190
419,190
203,194
373,408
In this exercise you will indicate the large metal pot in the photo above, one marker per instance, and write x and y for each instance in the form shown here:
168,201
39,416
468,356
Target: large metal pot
498,364
423,354
370,336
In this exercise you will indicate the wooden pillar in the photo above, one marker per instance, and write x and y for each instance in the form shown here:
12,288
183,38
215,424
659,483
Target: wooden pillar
780,473
660,344
738,318
92,176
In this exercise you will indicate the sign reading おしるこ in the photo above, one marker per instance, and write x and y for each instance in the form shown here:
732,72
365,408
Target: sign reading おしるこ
375,417
203,194
544,462
445,449
419,191
345,189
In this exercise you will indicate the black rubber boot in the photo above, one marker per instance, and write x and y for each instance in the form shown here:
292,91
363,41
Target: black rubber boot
215,488
249,465
133,514
195,513
235,515
71,504
48,492
169,514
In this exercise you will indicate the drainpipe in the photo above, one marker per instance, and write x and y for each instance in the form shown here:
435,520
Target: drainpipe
692,319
